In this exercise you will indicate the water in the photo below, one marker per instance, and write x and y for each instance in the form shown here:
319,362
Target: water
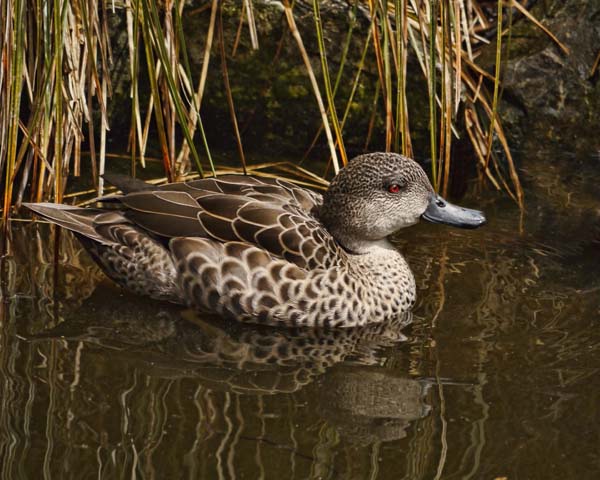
497,375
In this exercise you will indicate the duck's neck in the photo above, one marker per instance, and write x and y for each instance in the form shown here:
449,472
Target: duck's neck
354,236
358,246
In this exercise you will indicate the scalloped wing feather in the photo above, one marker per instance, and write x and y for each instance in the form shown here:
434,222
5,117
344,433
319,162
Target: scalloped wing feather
270,213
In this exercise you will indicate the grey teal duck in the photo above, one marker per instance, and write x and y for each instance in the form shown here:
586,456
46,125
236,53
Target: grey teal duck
264,250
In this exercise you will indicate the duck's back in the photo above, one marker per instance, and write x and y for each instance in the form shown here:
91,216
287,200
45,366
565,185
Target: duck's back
271,214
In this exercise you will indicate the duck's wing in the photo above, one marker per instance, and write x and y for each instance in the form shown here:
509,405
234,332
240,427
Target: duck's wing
272,214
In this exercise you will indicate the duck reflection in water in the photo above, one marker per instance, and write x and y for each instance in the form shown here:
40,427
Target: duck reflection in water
342,368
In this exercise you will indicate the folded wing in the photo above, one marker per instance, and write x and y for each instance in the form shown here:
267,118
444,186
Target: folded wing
274,215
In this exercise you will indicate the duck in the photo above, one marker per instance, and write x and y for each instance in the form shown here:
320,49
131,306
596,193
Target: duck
265,250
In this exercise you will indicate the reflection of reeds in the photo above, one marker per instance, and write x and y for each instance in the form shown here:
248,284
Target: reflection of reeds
54,282
54,81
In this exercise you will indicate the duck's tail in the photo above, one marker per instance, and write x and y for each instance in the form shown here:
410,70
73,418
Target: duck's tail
78,220
85,221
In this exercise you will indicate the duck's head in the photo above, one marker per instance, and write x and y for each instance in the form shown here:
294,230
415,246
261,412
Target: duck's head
379,193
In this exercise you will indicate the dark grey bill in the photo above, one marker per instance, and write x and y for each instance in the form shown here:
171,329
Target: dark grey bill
441,211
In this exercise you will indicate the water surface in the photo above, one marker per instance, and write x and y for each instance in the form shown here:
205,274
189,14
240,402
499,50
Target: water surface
495,375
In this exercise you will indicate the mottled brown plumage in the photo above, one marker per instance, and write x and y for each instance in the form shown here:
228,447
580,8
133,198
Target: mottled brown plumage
264,250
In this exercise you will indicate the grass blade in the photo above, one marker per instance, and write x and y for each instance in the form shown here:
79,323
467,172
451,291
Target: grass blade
327,81
296,34
228,92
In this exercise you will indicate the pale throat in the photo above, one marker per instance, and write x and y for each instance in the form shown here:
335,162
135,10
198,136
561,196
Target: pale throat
361,246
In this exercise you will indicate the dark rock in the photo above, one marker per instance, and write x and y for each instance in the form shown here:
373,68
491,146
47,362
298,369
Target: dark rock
550,97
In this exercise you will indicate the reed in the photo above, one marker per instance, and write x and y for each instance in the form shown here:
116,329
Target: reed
55,86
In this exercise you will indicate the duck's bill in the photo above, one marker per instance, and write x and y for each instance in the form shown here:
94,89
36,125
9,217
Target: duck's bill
441,211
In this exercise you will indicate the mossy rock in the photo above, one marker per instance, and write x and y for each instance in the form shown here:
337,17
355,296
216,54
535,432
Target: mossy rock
550,97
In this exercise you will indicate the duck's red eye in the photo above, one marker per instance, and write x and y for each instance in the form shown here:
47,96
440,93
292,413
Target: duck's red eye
394,188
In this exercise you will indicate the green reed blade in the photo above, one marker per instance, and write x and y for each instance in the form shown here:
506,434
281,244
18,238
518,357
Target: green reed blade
402,130
338,78
58,101
387,74
181,39
153,77
356,82
496,84
432,90
229,94
327,81
159,42
15,81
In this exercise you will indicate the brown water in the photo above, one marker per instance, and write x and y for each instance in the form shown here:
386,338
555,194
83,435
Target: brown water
496,376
